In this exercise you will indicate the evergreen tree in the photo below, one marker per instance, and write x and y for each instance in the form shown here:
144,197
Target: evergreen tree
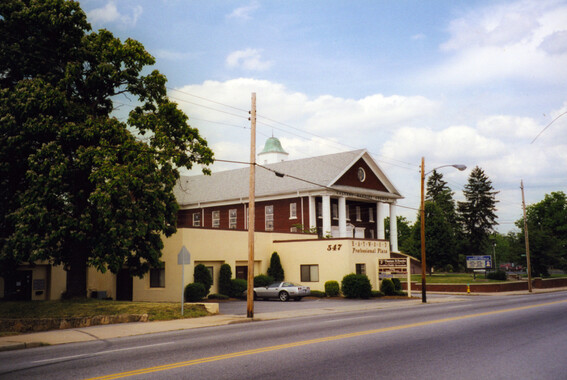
225,275
275,269
203,276
78,187
477,214
442,195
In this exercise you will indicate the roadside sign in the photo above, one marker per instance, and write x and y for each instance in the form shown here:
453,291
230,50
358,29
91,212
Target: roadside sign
479,262
183,257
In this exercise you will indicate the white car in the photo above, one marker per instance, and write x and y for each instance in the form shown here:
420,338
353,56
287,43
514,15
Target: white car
283,291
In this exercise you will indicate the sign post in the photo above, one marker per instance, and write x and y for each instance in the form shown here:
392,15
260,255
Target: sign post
183,257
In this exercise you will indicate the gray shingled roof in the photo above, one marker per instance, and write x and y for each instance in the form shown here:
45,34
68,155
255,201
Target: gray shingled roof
233,185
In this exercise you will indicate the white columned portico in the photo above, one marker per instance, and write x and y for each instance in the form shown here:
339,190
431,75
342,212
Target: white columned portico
312,213
380,233
326,215
342,217
393,228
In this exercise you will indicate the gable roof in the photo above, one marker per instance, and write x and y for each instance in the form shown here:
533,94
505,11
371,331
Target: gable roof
308,175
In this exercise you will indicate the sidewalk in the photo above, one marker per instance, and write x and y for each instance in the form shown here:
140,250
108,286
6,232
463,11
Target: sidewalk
103,332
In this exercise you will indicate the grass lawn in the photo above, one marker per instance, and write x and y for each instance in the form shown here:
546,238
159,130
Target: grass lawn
157,311
452,278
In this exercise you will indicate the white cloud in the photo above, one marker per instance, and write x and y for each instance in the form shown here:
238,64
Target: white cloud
110,14
248,59
521,40
244,13
390,128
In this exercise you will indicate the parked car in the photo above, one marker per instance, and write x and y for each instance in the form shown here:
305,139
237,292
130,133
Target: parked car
281,290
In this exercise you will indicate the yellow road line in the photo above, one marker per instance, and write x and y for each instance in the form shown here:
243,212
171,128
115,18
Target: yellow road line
311,341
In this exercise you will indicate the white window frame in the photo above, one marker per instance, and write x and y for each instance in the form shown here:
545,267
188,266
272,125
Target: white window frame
232,218
371,215
216,219
196,219
293,210
358,214
335,211
269,218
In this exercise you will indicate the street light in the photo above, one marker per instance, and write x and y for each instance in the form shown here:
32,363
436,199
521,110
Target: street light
423,265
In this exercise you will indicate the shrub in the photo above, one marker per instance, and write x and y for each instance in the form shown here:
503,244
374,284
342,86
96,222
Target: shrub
237,286
194,292
217,296
317,293
449,268
397,284
499,275
262,280
332,288
377,293
387,287
275,270
356,286
225,274
202,275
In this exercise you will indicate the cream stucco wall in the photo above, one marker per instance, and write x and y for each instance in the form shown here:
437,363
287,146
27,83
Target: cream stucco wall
335,258
211,247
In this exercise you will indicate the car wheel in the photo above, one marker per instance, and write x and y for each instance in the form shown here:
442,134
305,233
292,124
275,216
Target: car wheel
284,296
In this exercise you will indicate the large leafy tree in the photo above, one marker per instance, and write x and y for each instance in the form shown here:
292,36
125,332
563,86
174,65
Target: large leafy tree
478,212
404,233
547,232
439,239
77,187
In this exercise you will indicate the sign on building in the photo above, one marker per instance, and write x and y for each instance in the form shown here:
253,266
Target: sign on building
479,262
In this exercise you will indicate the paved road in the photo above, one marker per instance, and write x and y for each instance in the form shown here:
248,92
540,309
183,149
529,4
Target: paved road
495,337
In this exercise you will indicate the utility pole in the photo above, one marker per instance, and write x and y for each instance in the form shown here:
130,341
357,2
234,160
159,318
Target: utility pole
422,217
526,238
251,211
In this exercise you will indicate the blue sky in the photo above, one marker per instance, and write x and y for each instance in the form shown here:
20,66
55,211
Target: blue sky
471,82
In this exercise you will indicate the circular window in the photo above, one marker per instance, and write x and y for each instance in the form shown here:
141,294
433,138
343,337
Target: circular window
361,174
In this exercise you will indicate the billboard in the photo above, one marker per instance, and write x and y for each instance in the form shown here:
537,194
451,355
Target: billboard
479,262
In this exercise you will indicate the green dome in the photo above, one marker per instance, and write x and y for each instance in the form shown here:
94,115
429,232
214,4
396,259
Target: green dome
273,145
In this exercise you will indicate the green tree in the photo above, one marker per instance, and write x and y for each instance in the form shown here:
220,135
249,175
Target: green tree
439,240
547,233
225,275
275,270
202,275
439,193
477,213
77,187
404,233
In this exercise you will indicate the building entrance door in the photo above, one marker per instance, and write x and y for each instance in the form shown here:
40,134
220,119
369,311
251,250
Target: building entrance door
124,285
18,287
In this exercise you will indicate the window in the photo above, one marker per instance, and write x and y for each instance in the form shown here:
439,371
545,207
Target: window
371,215
371,234
216,219
157,277
360,268
335,211
293,210
319,209
309,273
232,219
269,212
197,219
212,272
293,229
347,212
358,216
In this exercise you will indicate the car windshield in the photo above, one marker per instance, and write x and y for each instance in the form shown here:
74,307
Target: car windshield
288,284
274,285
